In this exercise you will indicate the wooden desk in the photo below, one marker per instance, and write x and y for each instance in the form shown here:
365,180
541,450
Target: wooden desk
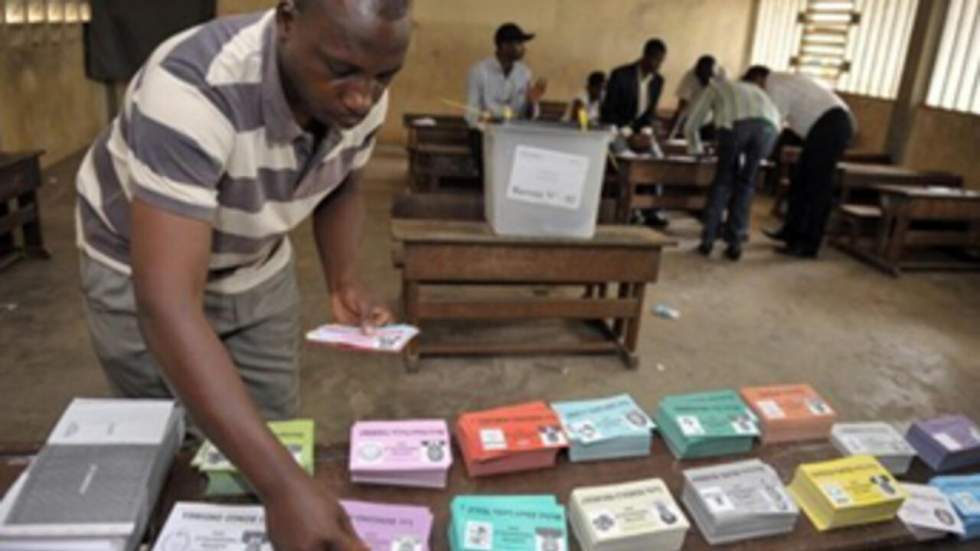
552,111
184,484
789,156
20,179
855,179
463,254
896,234
685,182
437,151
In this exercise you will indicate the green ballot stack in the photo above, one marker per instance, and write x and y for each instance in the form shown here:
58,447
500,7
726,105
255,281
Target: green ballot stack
706,424
507,523
225,480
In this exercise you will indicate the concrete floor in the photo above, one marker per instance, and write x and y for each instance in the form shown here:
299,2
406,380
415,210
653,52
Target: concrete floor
876,347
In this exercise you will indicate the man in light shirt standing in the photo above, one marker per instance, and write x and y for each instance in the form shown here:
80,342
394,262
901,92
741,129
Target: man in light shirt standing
825,123
747,124
694,82
501,87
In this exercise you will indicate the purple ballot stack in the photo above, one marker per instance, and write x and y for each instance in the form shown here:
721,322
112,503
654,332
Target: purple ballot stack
385,527
401,453
946,443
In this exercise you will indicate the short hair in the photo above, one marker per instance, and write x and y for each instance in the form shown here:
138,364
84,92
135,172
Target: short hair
596,78
653,47
707,60
756,71
389,10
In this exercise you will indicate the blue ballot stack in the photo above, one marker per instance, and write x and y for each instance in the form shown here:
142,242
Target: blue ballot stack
964,493
706,424
605,428
507,523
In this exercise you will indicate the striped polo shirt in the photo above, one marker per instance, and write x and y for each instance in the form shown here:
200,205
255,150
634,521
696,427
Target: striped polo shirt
205,132
728,101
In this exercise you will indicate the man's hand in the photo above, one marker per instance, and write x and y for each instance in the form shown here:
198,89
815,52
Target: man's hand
640,142
304,517
536,91
351,305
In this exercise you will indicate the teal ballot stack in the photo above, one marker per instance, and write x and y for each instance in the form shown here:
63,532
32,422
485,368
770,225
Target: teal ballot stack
605,428
507,523
706,424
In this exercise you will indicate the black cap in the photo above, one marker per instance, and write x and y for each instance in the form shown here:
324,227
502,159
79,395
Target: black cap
510,32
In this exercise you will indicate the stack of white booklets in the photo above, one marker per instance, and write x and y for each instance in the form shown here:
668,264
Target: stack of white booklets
738,501
94,483
881,440
638,516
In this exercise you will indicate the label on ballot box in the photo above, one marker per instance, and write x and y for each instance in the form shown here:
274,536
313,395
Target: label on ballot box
545,177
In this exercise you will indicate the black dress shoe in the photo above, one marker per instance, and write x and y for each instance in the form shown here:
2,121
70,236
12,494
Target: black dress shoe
733,253
776,235
796,251
658,220
704,249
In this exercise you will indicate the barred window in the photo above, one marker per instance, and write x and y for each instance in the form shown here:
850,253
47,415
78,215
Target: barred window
955,80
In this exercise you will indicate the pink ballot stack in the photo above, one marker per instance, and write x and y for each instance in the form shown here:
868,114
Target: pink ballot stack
401,453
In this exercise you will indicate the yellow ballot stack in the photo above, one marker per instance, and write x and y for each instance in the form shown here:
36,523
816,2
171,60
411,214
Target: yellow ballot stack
846,492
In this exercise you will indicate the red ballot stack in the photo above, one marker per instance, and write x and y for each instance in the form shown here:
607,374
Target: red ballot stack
790,412
510,439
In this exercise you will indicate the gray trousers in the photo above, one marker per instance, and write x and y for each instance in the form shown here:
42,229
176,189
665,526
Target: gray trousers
260,329
740,150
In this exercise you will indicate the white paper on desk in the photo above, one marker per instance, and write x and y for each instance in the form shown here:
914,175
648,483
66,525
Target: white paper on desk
390,338
424,121
928,508
199,526
99,421
545,177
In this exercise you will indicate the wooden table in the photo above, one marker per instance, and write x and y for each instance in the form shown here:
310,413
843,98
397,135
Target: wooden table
685,182
897,221
438,152
185,484
855,179
464,255
20,211
788,158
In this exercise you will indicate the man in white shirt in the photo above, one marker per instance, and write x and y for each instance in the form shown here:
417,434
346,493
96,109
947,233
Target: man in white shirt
693,83
501,87
589,100
824,122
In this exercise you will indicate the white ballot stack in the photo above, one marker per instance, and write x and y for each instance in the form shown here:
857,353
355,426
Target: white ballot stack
193,526
637,516
880,440
738,501
928,513
93,485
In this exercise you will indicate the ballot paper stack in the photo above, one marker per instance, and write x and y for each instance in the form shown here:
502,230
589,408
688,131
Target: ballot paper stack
846,492
607,428
389,339
401,453
738,501
225,480
706,424
93,485
510,439
790,413
638,516
384,527
946,443
928,513
964,493
878,439
507,523
200,526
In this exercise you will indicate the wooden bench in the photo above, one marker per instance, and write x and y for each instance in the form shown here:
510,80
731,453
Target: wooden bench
466,256
20,211
911,219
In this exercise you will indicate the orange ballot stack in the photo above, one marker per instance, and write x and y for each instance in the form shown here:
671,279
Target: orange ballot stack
510,439
790,412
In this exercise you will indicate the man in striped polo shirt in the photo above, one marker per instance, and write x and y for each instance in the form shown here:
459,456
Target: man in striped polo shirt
747,124
231,135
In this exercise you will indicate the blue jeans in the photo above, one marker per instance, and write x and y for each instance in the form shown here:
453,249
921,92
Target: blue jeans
740,150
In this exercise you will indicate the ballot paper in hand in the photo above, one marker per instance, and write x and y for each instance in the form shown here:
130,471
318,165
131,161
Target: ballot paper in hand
390,338
928,513
192,526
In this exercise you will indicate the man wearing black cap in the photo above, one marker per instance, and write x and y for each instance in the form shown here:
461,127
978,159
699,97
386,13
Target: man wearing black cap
500,87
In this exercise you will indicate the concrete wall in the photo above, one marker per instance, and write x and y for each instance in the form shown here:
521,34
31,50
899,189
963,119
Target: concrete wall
45,100
945,140
873,116
574,38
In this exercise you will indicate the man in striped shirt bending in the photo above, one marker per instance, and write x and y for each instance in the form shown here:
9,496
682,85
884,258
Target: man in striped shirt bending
231,135
747,124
